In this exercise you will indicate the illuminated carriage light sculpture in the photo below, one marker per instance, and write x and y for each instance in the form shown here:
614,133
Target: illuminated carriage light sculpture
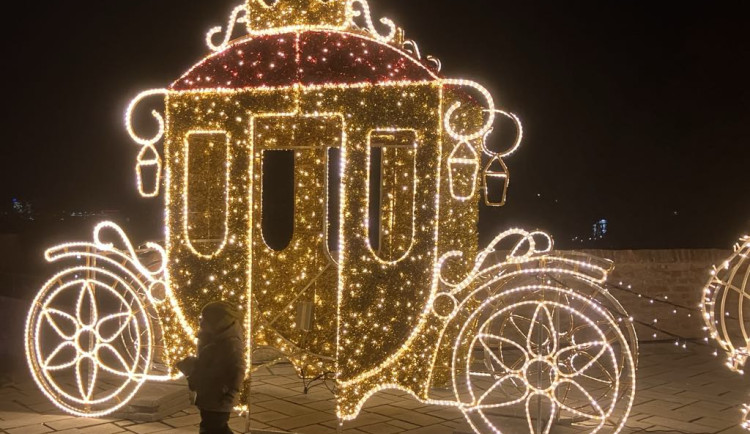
726,309
407,314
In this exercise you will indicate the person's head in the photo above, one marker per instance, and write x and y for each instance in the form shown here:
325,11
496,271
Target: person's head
217,316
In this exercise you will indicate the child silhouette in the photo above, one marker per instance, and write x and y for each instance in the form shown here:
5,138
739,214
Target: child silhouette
217,372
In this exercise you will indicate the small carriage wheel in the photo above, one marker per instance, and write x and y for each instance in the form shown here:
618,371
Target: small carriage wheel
538,353
74,340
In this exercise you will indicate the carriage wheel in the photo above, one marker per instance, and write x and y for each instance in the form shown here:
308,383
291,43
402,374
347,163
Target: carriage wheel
725,306
89,341
536,354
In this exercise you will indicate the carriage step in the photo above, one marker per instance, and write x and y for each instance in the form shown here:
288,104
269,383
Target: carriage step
156,401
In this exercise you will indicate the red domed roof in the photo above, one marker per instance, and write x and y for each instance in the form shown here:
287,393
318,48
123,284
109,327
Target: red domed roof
308,58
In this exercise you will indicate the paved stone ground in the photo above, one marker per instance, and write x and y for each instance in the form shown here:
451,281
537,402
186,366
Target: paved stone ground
680,391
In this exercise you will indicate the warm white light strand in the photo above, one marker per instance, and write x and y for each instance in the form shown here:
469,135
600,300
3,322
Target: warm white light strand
236,17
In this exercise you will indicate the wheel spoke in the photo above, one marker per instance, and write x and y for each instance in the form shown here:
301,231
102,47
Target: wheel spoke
53,316
48,363
542,323
495,354
86,300
581,349
599,415
106,352
529,414
86,380
120,320
481,402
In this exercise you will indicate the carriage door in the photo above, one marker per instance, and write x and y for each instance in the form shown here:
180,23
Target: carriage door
294,275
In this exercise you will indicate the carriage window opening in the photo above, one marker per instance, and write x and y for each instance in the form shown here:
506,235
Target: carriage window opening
334,200
391,196
206,190
375,189
277,207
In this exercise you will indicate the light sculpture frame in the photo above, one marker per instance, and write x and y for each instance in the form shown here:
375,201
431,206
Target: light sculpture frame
725,307
309,77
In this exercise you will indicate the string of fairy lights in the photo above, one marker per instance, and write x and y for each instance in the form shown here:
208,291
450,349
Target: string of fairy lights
657,303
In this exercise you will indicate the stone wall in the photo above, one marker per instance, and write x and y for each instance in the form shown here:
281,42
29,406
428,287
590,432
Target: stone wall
679,275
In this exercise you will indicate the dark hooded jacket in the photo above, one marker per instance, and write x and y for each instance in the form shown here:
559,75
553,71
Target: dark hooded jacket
217,373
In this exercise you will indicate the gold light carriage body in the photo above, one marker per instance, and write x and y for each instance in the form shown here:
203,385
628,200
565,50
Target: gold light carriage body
272,92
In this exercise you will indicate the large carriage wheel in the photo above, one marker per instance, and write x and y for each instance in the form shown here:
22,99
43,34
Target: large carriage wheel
538,354
726,308
89,340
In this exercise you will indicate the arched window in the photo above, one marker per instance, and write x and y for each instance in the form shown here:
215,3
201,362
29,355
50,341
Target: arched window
334,201
392,181
277,219
206,185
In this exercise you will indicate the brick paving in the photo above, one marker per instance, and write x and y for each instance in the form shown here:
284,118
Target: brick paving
680,391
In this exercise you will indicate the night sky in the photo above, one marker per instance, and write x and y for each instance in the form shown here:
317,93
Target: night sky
634,111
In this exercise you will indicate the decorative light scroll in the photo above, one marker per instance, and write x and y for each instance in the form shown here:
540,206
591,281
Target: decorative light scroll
365,14
149,156
238,16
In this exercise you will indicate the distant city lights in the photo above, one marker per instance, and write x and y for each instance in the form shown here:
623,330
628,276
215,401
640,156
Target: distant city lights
599,230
